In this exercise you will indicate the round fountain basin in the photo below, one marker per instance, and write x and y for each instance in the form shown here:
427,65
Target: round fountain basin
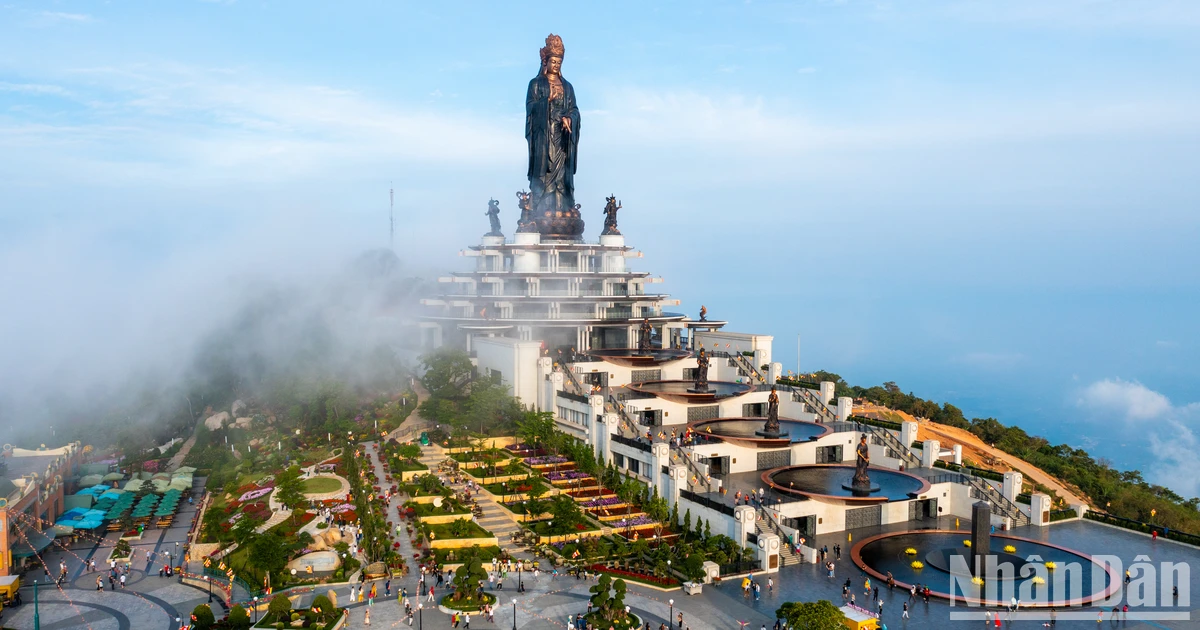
948,578
681,391
834,482
748,430
632,357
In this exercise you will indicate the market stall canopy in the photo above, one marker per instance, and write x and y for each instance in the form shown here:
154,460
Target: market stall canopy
90,480
31,544
114,476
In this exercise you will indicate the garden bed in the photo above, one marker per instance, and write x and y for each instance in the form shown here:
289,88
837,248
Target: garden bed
631,576
471,604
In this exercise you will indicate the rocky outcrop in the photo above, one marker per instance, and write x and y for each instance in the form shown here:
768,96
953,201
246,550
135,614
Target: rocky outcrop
216,421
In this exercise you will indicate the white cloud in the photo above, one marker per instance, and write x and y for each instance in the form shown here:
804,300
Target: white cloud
1171,430
32,88
992,360
806,70
59,16
1130,399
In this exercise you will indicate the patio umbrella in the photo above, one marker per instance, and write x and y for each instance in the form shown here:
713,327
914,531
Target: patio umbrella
90,480
63,530
87,524
113,476
185,470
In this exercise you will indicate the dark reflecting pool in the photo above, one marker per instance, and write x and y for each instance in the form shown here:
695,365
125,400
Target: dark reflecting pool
745,428
1021,565
833,480
681,390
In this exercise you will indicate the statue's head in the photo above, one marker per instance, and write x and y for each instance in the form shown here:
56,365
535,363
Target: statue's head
552,55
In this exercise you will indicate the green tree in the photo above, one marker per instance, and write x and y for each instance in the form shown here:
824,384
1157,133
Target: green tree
324,608
280,608
202,617
269,552
447,371
467,578
566,513
238,618
288,490
818,615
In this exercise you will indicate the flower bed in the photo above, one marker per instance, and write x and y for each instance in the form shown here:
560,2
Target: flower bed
636,577
603,502
256,493
546,460
567,475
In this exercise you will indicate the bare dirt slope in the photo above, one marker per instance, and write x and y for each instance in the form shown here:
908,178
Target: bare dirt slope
974,449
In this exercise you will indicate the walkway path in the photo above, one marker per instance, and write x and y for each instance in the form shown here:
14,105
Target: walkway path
414,423
177,460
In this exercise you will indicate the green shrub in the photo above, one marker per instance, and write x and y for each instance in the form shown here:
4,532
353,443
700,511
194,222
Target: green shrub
202,617
280,607
239,619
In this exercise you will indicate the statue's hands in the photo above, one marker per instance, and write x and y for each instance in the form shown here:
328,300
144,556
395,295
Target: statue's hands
566,122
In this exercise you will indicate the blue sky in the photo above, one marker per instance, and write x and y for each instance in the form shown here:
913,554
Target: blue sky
993,203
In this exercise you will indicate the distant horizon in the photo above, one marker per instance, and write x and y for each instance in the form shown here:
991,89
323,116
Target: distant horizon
993,206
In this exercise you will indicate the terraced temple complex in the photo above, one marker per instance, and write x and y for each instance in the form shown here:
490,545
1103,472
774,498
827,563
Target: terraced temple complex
681,403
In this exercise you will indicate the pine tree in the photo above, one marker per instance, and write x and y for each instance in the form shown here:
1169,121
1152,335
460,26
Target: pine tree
707,529
687,521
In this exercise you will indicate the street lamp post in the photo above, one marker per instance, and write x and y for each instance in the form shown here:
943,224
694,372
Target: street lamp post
671,615
208,581
520,582
37,618
514,613
256,610
420,616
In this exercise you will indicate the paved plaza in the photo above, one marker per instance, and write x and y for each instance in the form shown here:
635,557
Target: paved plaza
149,601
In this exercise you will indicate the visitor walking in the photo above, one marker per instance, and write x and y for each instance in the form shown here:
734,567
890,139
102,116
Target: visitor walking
905,614
367,618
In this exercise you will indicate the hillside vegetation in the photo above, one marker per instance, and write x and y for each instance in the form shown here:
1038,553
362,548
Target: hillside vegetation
1123,493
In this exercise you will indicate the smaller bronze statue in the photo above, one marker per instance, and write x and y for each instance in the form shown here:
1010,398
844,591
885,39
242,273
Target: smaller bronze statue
493,215
772,425
644,337
525,202
862,460
610,216
701,384
703,313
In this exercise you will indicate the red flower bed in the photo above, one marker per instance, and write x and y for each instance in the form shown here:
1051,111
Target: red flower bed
307,517
246,487
600,568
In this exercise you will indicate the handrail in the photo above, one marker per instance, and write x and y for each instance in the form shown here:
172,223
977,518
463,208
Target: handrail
891,442
695,469
817,404
617,408
579,390
1003,505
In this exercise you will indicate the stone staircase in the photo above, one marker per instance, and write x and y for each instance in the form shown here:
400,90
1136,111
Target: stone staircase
276,518
806,396
1000,504
787,556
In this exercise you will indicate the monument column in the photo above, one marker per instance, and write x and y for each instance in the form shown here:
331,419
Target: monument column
677,482
929,454
768,552
743,517
1013,482
545,393
660,453
845,405
827,388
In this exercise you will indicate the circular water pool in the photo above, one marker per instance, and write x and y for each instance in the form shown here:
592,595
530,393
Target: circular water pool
747,429
832,481
682,391
1075,579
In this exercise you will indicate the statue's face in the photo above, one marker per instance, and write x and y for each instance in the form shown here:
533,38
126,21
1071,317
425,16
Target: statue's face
553,66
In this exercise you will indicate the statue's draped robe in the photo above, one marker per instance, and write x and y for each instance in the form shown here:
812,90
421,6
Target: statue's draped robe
552,151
